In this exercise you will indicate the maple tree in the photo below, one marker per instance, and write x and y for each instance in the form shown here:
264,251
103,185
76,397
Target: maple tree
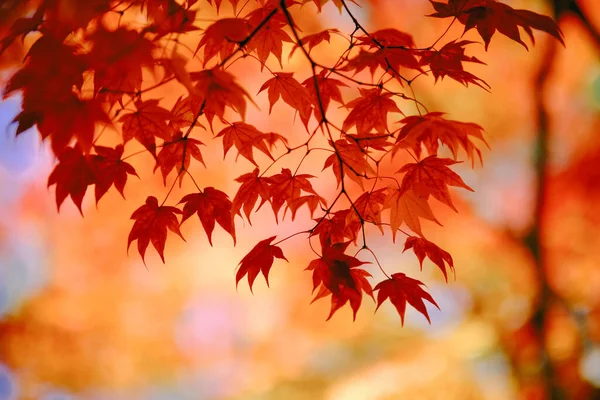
87,69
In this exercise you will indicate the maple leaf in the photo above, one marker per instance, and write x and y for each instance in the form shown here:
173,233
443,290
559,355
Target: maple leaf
408,207
177,153
211,205
182,114
72,119
151,224
369,111
384,58
283,85
245,137
72,175
287,188
328,89
269,39
369,206
22,27
337,229
428,129
337,274
247,195
448,60
489,16
386,38
401,289
117,59
146,124
353,160
314,40
259,259
431,176
169,17
423,247
222,36
109,169
217,89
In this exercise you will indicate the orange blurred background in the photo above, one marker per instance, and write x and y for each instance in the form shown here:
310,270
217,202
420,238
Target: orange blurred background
80,319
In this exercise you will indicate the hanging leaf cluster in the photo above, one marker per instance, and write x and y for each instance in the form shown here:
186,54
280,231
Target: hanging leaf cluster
98,65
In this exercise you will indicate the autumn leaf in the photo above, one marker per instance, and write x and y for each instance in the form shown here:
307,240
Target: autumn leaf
287,188
253,186
400,289
353,160
117,59
314,40
177,153
431,129
369,111
222,36
259,259
386,38
109,169
72,175
424,248
337,275
328,89
448,60
151,224
284,86
489,16
369,207
216,89
337,228
409,208
146,124
211,205
385,58
268,40
246,137
431,176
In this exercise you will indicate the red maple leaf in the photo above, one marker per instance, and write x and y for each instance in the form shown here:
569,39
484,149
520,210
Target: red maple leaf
388,37
247,195
401,289
216,89
431,128
448,60
384,58
337,229
314,40
369,111
268,40
423,247
246,137
72,175
489,16
287,188
177,153
283,85
222,36
328,89
117,59
211,205
353,160
151,224
369,207
259,259
407,207
431,176
109,169
337,275
146,124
